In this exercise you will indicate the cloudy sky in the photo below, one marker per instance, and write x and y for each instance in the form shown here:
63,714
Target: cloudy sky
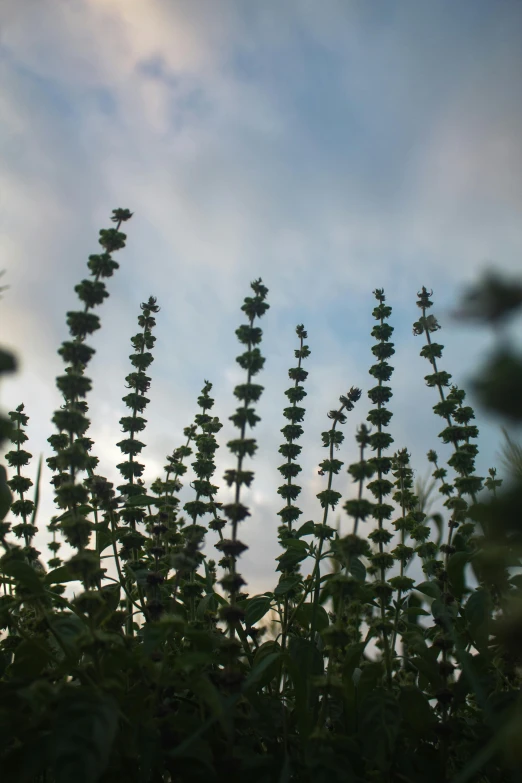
328,147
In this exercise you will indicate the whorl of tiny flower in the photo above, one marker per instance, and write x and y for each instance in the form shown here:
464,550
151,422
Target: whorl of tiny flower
18,458
251,361
491,482
70,444
137,402
359,508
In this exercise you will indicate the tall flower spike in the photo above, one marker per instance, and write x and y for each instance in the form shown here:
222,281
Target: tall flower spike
360,508
23,507
380,487
169,522
131,470
70,444
290,559
247,393
173,485
204,468
329,498
418,529
292,432
166,543
408,502
137,402
457,432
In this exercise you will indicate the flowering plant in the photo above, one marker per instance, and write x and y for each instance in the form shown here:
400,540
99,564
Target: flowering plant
366,672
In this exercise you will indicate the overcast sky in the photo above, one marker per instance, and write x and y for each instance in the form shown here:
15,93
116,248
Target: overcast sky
327,147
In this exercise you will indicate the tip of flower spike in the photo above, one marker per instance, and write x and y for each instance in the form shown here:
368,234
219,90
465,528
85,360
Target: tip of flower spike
258,288
150,305
121,215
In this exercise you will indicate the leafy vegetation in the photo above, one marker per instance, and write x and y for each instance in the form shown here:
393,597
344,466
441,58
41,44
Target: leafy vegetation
167,673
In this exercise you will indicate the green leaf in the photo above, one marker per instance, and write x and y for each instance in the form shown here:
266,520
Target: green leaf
352,659
477,613
195,762
257,607
105,538
306,530
6,496
70,629
416,710
31,657
285,585
209,584
209,603
265,669
306,655
426,663
445,612
369,679
25,574
304,661
295,543
112,594
207,691
304,616
59,575
83,734
380,718
476,676
428,588
144,500
286,771
439,524
456,566
357,569
302,653
351,695
36,500
156,633
416,611
292,556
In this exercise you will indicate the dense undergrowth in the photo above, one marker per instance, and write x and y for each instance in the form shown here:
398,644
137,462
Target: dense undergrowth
166,673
